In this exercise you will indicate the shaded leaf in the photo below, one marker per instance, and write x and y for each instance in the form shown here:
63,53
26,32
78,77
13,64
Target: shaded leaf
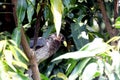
21,9
30,9
16,35
79,35
43,77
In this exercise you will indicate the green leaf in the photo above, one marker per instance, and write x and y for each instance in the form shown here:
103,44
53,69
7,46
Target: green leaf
49,69
48,31
9,58
43,77
117,23
20,64
47,13
79,35
116,62
2,45
88,74
21,9
76,55
20,52
89,50
16,35
30,9
18,76
62,76
72,64
109,71
78,69
57,10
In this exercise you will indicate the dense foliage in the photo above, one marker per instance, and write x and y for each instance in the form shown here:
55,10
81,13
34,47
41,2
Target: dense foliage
91,51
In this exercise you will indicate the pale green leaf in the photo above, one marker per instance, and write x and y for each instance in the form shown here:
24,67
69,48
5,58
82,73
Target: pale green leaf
88,74
76,55
78,69
117,23
116,62
89,50
57,10
2,45
109,71
62,76
9,58
20,64
23,55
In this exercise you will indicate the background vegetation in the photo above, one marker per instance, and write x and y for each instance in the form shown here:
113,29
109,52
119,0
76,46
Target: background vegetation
91,30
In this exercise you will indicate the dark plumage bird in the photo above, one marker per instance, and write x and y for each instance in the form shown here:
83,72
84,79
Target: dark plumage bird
47,47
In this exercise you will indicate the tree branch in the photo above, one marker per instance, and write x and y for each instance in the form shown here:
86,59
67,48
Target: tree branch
116,8
112,32
30,54
38,24
26,48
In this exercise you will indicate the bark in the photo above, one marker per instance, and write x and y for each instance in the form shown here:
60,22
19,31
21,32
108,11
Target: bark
31,55
116,8
39,23
112,32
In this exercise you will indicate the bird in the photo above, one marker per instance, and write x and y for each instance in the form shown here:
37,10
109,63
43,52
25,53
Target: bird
46,47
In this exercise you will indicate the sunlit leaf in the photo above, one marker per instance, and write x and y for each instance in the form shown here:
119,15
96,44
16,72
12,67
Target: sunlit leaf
116,62
57,10
109,71
117,23
20,64
89,50
18,76
2,45
62,76
23,55
76,55
78,69
9,58
14,52
88,74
